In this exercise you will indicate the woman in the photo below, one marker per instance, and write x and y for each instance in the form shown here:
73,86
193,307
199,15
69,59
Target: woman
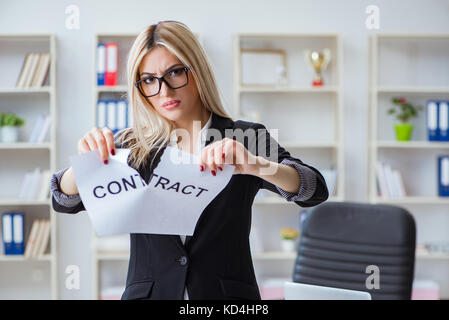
171,86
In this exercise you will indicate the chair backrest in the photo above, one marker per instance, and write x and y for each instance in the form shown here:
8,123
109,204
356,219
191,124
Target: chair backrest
352,245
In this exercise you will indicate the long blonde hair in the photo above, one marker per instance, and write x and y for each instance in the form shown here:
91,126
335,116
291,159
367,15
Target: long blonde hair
151,131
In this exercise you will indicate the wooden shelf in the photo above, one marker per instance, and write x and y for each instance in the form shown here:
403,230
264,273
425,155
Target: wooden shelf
286,89
310,144
21,258
412,200
113,256
118,88
274,255
23,202
412,144
432,256
26,145
411,89
46,89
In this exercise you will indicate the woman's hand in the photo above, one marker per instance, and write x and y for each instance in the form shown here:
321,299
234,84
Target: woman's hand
228,151
101,139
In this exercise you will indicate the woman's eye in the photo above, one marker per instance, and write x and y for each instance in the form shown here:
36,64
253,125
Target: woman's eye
175,72
148,80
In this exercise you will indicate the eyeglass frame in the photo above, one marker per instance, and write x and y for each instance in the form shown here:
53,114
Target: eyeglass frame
160,80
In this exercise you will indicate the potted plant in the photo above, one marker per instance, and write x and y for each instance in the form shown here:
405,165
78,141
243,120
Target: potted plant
288,241
404,110
9,127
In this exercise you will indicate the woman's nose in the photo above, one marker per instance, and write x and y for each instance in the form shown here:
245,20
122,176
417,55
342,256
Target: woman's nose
165,90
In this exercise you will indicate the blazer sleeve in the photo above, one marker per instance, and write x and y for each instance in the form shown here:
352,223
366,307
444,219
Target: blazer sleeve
313,189
69,203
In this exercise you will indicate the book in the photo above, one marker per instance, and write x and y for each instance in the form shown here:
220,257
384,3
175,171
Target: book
443,120
44,237
443,176
23,71
38,239
400,183
432,120
31,238
382,180
101,63
38,125
44,129
31,70
111,64
41,71
44,190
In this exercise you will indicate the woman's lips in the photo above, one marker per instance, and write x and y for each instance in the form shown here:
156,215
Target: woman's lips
171,104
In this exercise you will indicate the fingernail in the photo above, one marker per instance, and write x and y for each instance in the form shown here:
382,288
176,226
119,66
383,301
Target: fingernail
113,152
105,161
223,155
220,168
213,172
201,168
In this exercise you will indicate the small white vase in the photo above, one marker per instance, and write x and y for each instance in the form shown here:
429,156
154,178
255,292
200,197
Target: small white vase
9,134
288,245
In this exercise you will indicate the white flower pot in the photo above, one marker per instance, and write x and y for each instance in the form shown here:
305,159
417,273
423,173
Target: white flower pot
9,134
288,245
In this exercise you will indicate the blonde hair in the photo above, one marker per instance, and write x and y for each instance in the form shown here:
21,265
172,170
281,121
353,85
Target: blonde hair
151,131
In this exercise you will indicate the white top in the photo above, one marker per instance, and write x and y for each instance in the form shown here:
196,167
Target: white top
200,145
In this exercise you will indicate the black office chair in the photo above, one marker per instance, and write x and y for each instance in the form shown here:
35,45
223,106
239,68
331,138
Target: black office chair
339,240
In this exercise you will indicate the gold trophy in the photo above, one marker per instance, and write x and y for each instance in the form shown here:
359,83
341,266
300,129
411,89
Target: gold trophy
319,62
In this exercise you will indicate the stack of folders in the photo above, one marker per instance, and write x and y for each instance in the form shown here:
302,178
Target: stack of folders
40,129
438,120
12,233
36,185
34,70
107,60
38,238
389,181
114,114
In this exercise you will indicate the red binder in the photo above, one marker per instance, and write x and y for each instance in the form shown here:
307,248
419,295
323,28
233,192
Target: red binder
111,64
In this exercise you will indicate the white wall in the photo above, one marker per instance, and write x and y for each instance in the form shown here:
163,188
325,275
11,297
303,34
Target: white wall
216,21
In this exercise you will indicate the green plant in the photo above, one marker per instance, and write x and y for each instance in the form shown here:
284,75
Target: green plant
10,119
404,110
288,233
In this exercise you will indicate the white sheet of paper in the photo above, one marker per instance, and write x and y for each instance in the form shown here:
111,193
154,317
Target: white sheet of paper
119,201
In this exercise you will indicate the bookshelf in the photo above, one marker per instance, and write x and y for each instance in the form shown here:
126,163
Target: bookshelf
411,66
21,277
294,108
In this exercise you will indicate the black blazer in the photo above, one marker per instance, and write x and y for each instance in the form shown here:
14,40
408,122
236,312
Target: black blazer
215,262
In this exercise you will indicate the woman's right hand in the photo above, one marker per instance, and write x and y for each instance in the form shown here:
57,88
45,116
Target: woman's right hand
101,139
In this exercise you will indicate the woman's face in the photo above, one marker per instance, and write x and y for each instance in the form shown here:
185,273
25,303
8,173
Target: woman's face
158,62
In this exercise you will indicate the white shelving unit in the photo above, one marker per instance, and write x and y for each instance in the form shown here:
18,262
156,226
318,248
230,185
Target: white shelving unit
102,262
115,261
413,66
23,278
310,123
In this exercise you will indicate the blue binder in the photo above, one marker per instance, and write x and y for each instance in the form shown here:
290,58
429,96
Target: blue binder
7,233
443,120
443,176
13,233
432,120
101,63
18,233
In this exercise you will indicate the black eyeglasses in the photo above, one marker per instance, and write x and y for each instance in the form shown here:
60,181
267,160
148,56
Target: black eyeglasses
174,79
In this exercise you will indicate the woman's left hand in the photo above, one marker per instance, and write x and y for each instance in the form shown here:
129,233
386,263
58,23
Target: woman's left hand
228,151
